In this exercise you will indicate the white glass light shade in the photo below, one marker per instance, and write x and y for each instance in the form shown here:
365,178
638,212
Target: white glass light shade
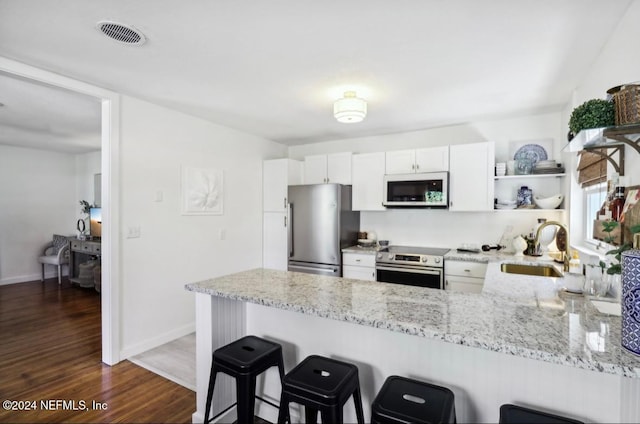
350,109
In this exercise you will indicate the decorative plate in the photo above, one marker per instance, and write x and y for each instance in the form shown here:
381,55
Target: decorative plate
531,152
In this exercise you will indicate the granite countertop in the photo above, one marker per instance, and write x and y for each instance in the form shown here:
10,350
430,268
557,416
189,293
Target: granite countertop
565,329
365,250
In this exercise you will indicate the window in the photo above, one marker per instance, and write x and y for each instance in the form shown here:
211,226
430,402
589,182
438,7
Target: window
594,197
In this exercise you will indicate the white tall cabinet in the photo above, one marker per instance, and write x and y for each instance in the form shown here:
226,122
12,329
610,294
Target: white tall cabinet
331,168
367,181
277,175
471,180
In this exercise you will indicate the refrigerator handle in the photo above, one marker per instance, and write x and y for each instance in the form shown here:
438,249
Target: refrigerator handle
290,228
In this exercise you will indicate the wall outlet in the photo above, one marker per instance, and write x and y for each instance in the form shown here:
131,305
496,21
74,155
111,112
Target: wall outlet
222,234
133,232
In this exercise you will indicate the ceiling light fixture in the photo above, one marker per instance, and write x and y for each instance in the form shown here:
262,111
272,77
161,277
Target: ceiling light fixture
350,108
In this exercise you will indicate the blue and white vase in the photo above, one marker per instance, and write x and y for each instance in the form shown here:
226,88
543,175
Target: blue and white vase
631,301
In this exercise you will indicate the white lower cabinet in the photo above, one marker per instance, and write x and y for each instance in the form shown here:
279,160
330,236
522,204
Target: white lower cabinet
464,276
359,266
274,241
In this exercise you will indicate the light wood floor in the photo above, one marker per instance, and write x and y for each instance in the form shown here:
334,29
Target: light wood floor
175,360
50,356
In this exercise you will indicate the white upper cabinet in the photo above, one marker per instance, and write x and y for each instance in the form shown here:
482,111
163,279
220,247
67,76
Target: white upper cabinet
400,162
428,159
331,168
432,159
367,177
471,176
277,175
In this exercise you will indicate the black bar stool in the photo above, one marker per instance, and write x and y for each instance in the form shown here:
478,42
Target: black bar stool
513,414
321,384
244,359
403,400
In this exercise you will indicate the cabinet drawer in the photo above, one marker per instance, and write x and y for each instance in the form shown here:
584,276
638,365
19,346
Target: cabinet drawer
359,259
465,269
359,273
76,245
464,284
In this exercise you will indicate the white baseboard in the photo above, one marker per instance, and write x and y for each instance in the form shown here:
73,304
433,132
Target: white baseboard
148,344
33,277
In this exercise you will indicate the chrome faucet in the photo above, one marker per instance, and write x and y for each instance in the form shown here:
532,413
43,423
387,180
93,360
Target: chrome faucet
567,253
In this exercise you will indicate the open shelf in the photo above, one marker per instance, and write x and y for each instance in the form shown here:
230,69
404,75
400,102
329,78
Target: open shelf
529,210
527,176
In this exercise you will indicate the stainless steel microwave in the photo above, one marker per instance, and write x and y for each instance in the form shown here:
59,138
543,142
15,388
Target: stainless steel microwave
429,189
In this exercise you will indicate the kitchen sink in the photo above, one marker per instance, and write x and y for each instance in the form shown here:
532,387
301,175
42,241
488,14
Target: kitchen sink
535,270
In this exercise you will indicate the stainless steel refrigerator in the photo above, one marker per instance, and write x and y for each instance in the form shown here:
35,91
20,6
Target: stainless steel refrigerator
321,223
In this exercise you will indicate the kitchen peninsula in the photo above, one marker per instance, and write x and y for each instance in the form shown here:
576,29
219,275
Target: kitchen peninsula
487,348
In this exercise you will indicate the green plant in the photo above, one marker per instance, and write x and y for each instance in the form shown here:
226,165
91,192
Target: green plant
594,113
85,207
616,267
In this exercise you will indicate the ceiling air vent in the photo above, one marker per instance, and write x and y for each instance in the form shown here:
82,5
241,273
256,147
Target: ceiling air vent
121,33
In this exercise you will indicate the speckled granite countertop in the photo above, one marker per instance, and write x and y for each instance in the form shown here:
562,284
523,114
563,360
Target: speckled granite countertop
364,250
565,330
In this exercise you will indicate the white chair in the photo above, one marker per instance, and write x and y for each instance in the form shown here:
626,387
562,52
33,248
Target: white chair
56,252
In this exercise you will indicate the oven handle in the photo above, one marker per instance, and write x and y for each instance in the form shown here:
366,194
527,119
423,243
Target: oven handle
410,270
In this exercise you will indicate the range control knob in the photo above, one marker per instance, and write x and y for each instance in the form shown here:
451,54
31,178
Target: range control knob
390,257
424,259
379,255
437,260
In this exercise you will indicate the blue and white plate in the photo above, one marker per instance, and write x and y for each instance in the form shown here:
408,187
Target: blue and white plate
531,152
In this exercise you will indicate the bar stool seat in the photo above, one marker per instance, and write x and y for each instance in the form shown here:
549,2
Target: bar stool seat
403,400
244,359
513,414
321,384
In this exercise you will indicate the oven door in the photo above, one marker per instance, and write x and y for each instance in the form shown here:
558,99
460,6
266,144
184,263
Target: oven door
420,277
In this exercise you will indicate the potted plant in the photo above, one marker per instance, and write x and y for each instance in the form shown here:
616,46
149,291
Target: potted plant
614,268
594,113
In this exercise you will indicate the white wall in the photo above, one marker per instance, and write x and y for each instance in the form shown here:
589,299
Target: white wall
618,63
37,199
444,228
174,249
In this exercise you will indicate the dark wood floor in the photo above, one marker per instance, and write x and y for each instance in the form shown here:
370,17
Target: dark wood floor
50,357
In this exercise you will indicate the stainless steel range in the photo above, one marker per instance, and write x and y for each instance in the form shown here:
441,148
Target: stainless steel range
414,266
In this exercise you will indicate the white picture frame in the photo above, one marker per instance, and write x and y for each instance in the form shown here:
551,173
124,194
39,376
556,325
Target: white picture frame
202,191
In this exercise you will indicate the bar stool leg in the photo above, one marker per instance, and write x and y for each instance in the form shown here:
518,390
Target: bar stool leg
357,400
332,415
212,383
283,413
310,415
246,396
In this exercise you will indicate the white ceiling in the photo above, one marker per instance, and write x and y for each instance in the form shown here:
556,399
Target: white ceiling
273,68
39,116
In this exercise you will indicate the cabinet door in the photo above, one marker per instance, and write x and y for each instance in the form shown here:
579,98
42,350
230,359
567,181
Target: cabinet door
359,272
432,159
465,284
315,169
471,176
277,175
274,185
400,162
339,168
274,240
367,181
